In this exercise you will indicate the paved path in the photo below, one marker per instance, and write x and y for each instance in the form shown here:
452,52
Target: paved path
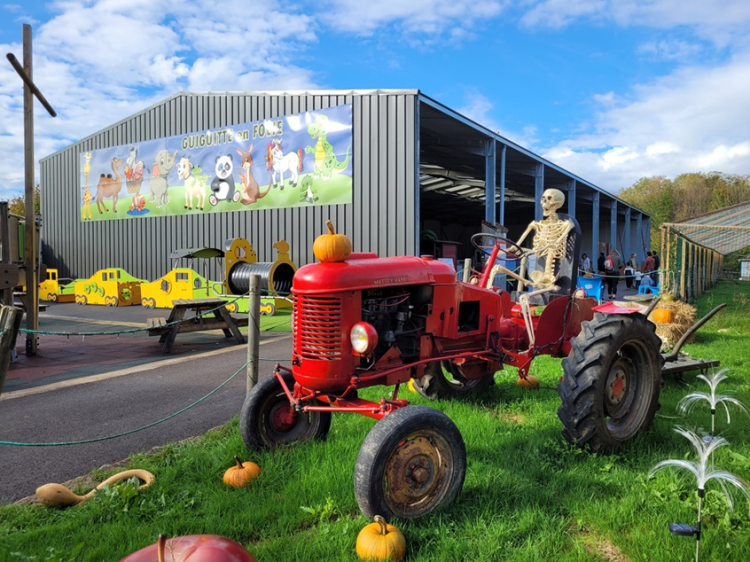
109,405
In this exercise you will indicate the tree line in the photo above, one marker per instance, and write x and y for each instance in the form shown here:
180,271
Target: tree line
686,196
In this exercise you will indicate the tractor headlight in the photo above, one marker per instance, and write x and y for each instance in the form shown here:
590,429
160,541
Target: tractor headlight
364,338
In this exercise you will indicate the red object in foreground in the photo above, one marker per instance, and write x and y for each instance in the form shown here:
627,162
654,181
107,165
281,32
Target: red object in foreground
192,548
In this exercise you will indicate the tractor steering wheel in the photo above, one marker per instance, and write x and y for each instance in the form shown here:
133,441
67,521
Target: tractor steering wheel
510,248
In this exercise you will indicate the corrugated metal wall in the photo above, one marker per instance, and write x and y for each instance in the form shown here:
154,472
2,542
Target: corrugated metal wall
381,217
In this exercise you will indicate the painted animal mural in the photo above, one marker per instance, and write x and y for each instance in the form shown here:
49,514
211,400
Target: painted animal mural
195,187
109,186
159,182
133,171
86,191
222,185
278,163
250,188
326,163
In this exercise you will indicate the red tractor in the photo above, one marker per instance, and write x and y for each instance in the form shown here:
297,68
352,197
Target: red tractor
372,321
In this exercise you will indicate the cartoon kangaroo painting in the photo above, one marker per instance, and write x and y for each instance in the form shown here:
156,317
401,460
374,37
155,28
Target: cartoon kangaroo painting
109,186
250,189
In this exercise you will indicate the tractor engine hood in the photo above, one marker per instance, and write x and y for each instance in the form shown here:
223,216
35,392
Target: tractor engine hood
358,274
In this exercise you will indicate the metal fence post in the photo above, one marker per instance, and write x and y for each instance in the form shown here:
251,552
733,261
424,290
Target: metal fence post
253,332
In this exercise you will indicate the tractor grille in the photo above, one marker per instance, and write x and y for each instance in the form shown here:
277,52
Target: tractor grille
316,327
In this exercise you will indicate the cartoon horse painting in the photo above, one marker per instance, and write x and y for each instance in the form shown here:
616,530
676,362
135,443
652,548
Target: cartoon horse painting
278,164
193,186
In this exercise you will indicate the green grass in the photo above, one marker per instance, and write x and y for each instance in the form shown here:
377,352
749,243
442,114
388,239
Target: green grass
528,496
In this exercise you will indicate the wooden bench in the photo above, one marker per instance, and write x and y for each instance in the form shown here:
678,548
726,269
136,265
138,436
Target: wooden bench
209,314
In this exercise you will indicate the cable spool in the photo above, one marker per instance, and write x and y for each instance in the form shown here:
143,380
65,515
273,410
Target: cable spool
275,277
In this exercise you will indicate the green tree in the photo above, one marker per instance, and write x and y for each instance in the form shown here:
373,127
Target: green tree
17,203
655,196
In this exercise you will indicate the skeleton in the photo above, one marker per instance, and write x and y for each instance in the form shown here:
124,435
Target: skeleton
549,242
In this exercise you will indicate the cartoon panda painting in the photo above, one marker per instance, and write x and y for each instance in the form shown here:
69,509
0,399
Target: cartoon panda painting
222,185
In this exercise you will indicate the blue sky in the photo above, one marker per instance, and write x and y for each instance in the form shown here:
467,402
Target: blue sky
611,90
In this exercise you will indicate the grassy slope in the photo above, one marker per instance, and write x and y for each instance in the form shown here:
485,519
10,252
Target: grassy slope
527,496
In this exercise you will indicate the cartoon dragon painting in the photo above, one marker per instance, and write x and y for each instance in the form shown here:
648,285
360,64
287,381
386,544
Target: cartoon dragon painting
326,163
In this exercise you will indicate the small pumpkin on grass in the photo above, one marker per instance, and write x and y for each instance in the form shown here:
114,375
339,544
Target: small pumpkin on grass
529,382
381,541
332,247
242,474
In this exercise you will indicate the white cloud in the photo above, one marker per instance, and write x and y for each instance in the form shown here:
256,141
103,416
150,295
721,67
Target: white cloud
480,108
98,61
669,49
415,17
718,23
695,119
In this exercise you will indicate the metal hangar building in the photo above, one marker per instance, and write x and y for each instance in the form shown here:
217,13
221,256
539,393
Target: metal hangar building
423,178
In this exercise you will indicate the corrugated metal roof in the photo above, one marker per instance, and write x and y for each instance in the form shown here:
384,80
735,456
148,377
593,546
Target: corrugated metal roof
726,230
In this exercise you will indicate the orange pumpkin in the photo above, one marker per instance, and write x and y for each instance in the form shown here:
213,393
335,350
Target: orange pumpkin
663,315
332,247
241,475
381,541
529,381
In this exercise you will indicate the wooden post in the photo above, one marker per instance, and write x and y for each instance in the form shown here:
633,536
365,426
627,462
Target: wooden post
666,257
10,322
31,300
683,260
253,332
29,250
7,298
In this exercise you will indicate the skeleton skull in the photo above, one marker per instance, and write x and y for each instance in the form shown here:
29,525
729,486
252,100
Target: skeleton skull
552,200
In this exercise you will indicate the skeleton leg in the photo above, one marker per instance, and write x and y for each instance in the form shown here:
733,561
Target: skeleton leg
523,300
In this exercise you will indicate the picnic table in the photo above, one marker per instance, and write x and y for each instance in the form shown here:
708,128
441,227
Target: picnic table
207,314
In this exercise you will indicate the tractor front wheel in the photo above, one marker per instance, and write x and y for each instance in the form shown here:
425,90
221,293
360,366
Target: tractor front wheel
446,379
611,383
269,421
411,462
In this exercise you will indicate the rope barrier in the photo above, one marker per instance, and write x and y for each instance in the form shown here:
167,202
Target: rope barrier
122,434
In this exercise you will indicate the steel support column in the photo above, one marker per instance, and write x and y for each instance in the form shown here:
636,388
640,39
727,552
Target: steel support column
613,225
490,175
647,231
641,241
538,190
501,211
626,251
572,198
595,227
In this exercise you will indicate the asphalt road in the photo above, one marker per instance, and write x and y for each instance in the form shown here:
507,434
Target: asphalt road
119,403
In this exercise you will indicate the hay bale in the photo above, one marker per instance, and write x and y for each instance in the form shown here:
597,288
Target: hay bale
684,318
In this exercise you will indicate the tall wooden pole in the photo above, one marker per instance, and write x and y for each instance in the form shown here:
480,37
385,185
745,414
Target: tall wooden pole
30,239
30,257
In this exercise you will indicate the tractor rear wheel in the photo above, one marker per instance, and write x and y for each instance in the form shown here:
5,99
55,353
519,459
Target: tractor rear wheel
412,461
446,379
269,421
611,382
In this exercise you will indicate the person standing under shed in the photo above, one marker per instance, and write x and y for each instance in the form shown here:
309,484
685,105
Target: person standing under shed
585,264
600,263
657,265
648,265
612,265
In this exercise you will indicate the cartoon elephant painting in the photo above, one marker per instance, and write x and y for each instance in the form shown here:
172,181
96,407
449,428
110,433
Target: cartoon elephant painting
159,183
